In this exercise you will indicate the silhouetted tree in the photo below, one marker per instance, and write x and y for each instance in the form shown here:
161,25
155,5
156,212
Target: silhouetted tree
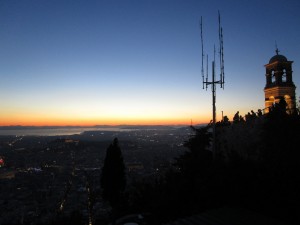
195,165
198,155
113,178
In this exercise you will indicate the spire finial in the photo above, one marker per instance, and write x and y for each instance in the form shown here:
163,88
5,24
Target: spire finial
277,51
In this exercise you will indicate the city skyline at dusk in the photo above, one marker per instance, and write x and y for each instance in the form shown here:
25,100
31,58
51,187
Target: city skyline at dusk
136,62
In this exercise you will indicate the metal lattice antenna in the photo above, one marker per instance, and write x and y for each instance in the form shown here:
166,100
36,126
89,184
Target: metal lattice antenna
221,52
220,46
202,54
206,71
222,61
214,82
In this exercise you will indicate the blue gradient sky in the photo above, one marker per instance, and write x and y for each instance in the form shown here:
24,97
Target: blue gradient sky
136,61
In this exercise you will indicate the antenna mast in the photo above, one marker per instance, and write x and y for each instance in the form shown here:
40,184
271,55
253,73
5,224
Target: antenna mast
214,82
276,50
202,54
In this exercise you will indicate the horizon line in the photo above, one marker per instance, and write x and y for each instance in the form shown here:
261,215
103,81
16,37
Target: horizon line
119,125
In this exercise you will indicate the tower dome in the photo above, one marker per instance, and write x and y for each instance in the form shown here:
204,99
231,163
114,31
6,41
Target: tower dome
278,58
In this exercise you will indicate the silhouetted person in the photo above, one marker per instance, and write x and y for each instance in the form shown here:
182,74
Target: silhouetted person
236,117
259,113
253,114
242,119
226,120
248,117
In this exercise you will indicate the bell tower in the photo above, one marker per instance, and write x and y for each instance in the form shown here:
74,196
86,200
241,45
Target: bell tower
279,82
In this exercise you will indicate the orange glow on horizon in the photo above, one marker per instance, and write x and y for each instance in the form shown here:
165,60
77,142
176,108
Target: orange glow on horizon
111,117
93,122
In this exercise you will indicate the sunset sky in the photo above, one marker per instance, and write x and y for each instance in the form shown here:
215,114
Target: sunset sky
84,62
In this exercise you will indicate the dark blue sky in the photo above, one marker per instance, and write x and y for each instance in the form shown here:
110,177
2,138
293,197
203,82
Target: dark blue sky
88,62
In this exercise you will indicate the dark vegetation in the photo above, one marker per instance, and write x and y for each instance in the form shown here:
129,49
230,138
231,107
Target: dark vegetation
256,167
267,181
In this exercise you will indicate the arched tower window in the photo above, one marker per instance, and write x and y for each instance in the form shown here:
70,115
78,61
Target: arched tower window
284,75
273,77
